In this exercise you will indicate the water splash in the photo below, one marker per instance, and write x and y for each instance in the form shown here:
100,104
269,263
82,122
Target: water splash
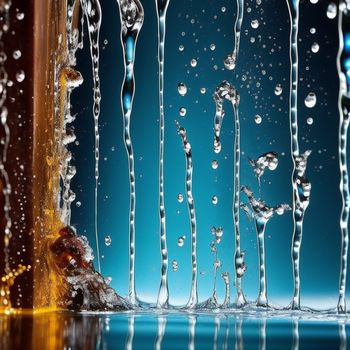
163,293
226,91
301,186
193,300
93,14
131,17
344,110
231,59
262,214
267,160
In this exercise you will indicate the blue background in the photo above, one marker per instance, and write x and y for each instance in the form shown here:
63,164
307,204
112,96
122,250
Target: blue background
262,64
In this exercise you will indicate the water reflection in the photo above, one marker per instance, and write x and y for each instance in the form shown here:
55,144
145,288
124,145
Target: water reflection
171,330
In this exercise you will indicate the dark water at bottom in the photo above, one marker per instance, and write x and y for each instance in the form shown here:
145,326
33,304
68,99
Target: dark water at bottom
172,331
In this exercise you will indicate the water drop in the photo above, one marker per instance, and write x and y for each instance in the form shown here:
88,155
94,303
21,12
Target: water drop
310,121
258,119
212,47
20,76
108,240
314,1
254,23
315,47
78,204
278,90
20,16
332,10
180,198
214,200
181,241
181,48
312,30
193,62
182,89
182,111
214,164
223,9
203,90
174,265
310,100
17,54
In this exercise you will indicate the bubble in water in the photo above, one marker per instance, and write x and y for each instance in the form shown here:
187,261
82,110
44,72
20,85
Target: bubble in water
314,1
193,62
108,240
258,119
315,47
230,61
278,90
20,76
310,100
212,47
203,90
182,89
20,16
215,200
310,121
312,30
174,265
78,204
181,48
214,164
223,9
108,279
180,198
17,54
181,241
254,23
332,10
182,111
217,232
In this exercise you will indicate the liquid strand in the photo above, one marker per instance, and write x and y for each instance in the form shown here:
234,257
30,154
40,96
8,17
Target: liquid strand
231,59
193,300
344,110
301,186
226,91
131,16
163,293
93,14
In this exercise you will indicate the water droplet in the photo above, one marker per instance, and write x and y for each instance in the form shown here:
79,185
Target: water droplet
17,54
182,89
223,9
310,100
78,204
105,41
314,1
214,164
310,121
332,10
108,240
315,47
193,62
181,48
214,200
20,16
278,90
174,265
212,47
182,111
180,198
108,279
181,241
230,61
254,23
20,76
258,119
203,90
312,30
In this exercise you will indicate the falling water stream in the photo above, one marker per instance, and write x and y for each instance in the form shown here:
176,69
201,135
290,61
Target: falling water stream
301,186
163,293
131,15
193,300
226,91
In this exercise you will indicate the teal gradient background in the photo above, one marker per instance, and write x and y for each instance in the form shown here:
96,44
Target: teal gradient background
262,64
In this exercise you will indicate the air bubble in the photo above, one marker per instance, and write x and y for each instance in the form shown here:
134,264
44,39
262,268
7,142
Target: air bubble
108,240
310,100
20,76
332,10
182,89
